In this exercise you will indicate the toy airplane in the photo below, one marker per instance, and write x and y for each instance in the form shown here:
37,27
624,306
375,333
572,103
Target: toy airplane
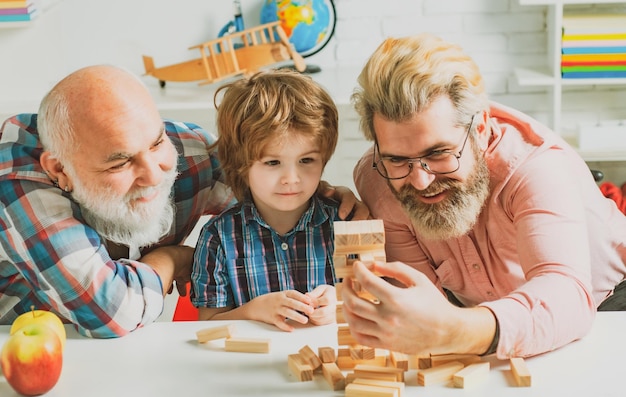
221,58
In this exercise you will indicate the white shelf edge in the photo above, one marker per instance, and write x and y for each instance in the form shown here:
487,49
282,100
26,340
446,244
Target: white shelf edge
534,77
602,155
566,2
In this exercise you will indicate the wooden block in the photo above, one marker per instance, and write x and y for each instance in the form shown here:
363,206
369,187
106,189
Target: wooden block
356,249
441,373
359,390
520,372
471,375
326,354
247,345
423,362
309,356
340,260
347,362
362,352
466,359
344,337
382,383
300,368
221,332
339,318
338,291
376,372
399,360
344,272
334,376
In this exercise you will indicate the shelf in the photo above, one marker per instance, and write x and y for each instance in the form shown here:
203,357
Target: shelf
566,2
14,25
541,77
602,155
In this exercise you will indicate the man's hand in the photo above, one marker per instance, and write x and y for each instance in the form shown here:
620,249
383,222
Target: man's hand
350,208
413,318
172,264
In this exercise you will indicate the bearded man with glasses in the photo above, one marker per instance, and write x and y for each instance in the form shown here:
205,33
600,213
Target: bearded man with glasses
498,239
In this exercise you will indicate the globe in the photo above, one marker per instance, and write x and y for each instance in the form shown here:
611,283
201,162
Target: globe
309,24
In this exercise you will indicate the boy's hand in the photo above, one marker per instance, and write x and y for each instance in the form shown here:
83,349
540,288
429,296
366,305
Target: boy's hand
279,307
325,303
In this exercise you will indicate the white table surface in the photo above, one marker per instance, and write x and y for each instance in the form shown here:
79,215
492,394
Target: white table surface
164,359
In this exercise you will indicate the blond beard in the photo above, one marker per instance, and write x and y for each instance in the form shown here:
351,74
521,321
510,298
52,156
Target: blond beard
122,219
454,216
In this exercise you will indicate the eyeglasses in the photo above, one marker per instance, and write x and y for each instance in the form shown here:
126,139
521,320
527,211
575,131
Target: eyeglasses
437,162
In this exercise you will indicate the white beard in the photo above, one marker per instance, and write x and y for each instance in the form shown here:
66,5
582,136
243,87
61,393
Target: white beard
118,220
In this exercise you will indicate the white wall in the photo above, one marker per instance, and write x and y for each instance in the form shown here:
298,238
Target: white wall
499,34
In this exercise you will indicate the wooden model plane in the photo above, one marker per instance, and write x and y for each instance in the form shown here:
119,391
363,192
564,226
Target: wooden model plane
238,53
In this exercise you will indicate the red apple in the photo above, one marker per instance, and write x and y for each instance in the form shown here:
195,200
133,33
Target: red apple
40,317
32,359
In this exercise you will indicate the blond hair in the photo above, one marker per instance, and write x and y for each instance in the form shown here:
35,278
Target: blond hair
405,75
265,107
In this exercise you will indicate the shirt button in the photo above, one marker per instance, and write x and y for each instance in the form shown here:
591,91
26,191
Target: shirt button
284,246
489,293
476,266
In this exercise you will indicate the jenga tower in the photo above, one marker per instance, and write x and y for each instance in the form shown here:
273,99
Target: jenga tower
355,240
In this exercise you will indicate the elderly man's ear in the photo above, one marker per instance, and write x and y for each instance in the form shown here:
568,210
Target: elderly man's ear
55,171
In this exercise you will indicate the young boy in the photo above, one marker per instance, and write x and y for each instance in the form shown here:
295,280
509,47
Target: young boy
269,258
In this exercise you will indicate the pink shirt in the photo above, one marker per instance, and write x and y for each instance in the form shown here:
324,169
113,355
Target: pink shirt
547,248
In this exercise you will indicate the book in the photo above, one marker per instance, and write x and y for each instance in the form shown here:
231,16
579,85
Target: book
18,17
594,75
592,57
593,50
592,43
17,11
594,68
594,23
594,63
596,36
14,4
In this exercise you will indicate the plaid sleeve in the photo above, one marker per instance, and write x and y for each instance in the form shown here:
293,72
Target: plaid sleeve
50,259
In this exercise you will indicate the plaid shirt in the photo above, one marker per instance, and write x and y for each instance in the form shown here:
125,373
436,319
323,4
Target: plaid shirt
239,256
52,259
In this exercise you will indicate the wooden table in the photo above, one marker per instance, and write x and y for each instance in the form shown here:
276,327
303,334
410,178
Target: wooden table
164,359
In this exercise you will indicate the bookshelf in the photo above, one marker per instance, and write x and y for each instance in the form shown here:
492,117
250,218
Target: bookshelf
549,75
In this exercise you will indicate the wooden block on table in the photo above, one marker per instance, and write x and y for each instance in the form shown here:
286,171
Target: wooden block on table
438,374
360,390
299,367
347,362
423,362
399,360
344,337
247,345
309,356
221,332
520,372
466,359
326,354
362,352
471,375
334,376
382,373
382,383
